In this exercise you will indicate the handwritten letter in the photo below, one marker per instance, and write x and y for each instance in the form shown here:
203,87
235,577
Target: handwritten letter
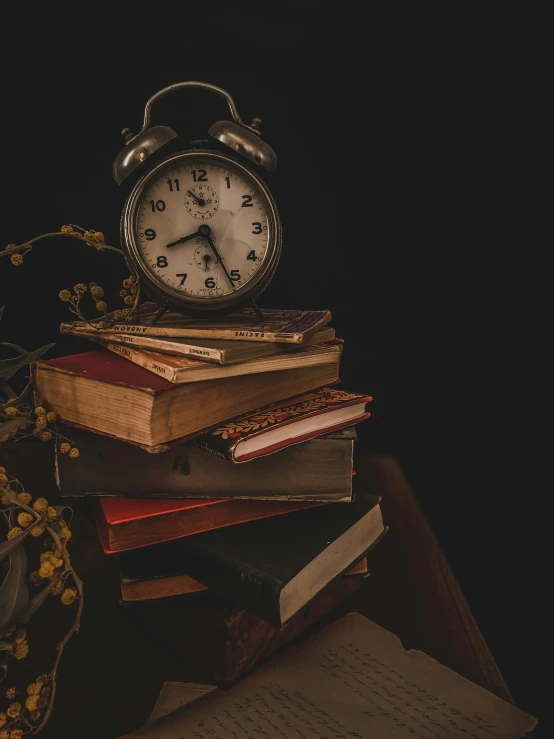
353,679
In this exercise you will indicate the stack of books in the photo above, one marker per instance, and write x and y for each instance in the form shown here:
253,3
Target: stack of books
219,456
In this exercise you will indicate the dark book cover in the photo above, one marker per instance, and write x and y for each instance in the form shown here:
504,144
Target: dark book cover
273,567
319,470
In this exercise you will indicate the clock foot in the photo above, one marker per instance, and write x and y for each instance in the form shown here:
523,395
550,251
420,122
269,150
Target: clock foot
257,311
162,311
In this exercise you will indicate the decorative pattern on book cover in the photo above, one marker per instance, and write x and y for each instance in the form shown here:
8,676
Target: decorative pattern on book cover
224,440
288,326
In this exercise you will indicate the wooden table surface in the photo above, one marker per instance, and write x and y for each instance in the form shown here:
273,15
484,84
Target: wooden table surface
111,673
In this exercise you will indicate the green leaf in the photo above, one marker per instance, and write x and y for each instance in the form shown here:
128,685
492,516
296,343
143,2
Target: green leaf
16,347
5,647
7,546
13,424
13,399
14,593
8,367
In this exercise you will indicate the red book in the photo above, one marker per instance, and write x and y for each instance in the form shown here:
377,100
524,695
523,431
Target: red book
103,392
131,523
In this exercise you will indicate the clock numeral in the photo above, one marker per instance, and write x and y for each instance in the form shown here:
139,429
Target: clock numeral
228,181
252,256
150,234
171,183
258,228
158,205
200,175
161,261
209,282
235,274
247,201
184,276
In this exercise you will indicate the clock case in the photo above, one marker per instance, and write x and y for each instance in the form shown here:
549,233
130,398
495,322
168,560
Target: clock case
156,147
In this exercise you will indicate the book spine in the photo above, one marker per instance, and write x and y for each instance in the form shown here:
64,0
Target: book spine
138,357
241,583
156,344
224,453
189,333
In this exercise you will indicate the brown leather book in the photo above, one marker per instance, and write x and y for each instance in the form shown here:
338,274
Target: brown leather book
103,392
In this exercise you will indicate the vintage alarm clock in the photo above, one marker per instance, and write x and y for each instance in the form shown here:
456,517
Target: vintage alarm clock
199,226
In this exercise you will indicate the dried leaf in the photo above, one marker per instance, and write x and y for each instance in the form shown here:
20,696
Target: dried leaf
2,310
8,367
5,647
7,546
35,603
14,593
13,399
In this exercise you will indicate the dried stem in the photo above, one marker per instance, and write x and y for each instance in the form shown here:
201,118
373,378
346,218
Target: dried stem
72,630
28,244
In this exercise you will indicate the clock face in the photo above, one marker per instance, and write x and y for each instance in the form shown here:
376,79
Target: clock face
203,228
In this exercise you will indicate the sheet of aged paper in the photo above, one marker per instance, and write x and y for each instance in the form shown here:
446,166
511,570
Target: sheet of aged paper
174,695
353,679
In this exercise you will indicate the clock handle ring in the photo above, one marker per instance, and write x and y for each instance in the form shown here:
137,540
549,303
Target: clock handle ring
198,86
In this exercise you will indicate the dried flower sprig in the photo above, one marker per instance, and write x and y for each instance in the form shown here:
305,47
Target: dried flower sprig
57,576
96,239
130,294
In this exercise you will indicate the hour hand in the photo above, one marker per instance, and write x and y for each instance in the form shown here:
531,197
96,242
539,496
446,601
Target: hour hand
182,240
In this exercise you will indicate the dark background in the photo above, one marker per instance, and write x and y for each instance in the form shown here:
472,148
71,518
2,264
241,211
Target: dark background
392,148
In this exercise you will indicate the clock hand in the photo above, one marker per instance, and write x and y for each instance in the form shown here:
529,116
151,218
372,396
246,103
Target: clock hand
205,232
185,238
201,202
206,261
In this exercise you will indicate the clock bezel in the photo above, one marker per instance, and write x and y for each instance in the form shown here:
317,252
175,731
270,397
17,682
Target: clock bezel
164,293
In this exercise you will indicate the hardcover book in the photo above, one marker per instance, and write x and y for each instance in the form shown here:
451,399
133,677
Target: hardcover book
287,326
274,566
318,470
220,351
131,523
281,424
104,392
185,369
148,584
223,639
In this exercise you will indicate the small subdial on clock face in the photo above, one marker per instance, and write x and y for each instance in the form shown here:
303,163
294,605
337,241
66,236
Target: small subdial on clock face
204,258
201,201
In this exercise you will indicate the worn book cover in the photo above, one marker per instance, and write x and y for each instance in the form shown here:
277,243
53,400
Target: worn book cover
131,523
186,369
318,470
274,566
287,326
280,425
141,582
104,392
219,351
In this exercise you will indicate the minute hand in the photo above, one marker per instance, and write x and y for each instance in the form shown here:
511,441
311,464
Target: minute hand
205,232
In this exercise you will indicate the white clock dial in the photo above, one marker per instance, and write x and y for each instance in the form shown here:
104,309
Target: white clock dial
202,227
